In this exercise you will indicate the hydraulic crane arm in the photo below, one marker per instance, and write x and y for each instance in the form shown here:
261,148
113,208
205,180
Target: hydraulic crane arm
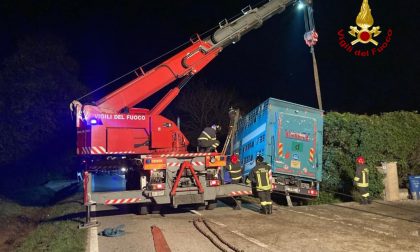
190,60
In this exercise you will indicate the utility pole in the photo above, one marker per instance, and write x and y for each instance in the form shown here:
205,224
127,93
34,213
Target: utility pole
311,38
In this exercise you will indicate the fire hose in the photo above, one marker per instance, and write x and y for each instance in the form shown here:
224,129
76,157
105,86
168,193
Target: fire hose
213,232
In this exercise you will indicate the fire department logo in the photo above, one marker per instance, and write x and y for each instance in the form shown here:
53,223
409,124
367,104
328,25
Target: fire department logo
364,33
364,20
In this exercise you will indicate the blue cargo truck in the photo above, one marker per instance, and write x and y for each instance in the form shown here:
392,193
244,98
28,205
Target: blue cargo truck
289,137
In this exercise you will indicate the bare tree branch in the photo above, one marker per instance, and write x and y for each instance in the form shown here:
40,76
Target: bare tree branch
201,105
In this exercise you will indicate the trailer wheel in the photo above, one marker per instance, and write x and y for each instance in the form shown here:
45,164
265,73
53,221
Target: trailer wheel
200,207
212,204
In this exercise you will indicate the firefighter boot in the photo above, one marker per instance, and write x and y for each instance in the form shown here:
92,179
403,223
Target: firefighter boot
263,210
270,209
266,209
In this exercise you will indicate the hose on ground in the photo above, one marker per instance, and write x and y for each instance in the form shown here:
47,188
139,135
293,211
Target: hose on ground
208,236
215,234
220,238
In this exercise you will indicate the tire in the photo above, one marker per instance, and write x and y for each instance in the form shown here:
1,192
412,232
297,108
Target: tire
200,207
132,180
212,204
155,209
143,209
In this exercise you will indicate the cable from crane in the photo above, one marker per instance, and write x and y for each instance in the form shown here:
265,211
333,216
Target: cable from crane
311,38
316,77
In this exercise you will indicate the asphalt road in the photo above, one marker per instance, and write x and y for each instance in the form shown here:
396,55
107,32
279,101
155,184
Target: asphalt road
381,226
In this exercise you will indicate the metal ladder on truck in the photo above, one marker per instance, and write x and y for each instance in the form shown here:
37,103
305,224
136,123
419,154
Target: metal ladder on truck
233,124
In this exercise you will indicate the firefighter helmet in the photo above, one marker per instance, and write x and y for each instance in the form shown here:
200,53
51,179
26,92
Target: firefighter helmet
259,159
216,127
360,160
234,158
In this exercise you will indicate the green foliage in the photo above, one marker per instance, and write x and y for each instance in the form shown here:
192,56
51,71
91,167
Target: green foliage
381,138
414,161
324,198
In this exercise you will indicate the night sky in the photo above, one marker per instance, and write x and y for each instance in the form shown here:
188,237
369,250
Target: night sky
111,38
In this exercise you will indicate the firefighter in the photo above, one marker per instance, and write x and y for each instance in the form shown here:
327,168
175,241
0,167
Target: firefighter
260,177
235,169
207,141
361,180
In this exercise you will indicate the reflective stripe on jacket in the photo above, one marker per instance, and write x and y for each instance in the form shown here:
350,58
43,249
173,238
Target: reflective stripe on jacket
207,134
260,176
235,171
362,176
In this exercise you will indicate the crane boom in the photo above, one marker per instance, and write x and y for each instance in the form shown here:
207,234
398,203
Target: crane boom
112,125
192,59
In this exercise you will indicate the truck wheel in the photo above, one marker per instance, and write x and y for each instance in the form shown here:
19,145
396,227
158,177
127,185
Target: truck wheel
200,207
132,180
155,209
212,204
143,209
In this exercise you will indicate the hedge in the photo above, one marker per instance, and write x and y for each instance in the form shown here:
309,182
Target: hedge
393,136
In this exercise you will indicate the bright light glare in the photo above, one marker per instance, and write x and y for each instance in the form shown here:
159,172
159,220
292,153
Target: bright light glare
123,169
300,5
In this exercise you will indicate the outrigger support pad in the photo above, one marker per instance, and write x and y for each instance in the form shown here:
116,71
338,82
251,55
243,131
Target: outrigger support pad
89,223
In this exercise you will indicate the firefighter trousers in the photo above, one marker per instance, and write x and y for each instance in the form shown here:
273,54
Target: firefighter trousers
364,192
208,145
265,201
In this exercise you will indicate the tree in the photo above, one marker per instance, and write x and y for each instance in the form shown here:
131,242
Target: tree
381,138
37,83
414,161
200,105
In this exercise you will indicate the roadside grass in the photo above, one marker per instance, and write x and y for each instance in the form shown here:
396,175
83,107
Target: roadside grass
10,209
17,221
324,198
58,230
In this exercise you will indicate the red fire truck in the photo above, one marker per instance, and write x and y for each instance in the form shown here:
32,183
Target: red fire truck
113,134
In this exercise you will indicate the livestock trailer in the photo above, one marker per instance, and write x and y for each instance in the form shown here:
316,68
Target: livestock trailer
289,137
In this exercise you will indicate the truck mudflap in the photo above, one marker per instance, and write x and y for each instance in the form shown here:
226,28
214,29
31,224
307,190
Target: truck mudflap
116,198
231,190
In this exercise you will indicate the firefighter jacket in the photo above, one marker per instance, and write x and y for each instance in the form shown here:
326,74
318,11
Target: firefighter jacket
207,137
362,176
260,176
235,171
